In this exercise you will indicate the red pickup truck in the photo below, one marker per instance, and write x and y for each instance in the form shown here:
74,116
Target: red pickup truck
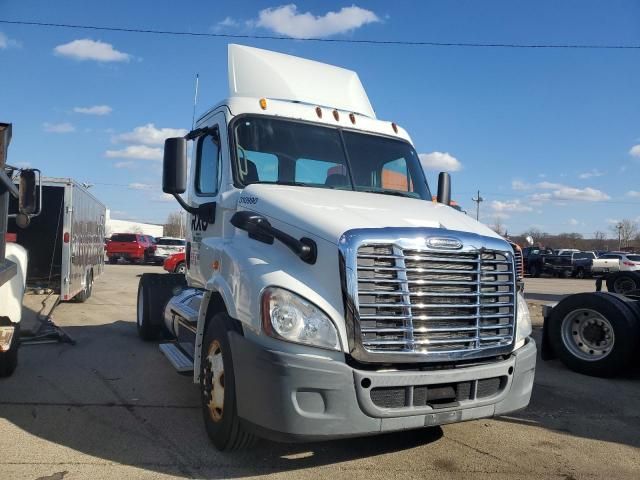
132,247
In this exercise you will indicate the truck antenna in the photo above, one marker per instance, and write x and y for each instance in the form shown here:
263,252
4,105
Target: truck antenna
195,102
478,199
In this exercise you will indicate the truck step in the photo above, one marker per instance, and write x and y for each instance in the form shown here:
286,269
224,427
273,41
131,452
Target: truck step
178,359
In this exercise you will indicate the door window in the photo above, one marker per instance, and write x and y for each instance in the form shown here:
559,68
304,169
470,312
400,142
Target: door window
208,164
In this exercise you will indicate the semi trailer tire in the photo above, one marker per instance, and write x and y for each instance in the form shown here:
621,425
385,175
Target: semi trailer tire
595,333
218,389
9,359
623,282
154,291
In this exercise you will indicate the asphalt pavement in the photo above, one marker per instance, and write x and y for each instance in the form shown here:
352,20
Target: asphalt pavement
111,406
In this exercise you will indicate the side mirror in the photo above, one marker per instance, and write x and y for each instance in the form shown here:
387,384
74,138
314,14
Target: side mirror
174,167
28,192
444,188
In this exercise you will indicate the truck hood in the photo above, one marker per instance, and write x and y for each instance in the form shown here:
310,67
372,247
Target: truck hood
328,213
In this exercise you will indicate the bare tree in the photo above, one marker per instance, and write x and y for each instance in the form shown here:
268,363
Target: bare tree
498,226
173,225
625,230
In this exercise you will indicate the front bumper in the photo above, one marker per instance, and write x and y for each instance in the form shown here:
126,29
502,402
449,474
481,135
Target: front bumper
293,397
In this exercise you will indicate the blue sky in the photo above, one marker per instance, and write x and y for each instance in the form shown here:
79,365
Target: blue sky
547,136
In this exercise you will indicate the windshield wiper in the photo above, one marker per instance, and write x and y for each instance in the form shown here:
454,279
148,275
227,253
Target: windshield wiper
395,193
293,184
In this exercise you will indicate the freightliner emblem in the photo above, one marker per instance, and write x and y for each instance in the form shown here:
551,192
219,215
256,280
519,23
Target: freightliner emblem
447,243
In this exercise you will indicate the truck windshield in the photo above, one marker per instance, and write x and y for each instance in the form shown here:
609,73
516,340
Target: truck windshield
294,153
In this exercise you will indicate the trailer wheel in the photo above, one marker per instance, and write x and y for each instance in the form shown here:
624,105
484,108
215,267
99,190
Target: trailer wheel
9,359
595,333
218,389
85,293
181,268
623,282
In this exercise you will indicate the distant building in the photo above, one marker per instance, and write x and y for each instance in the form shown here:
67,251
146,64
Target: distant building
128,226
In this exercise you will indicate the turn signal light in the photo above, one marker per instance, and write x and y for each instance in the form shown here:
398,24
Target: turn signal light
66,237
263,103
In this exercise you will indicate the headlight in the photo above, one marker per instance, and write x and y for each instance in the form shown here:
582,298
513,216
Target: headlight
290,317
523,322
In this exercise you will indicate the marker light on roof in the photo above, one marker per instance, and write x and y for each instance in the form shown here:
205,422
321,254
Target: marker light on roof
336,115
352,117
395,127
263,103
319,112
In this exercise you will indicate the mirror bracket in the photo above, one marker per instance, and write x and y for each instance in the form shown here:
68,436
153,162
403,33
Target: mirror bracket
206,211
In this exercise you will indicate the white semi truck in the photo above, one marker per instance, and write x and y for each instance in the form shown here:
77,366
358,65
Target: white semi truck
326,294
13,257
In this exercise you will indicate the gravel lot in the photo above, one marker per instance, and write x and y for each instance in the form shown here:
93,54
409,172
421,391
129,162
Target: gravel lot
112,407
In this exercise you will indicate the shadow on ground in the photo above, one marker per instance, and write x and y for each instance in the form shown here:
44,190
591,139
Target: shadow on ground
114,397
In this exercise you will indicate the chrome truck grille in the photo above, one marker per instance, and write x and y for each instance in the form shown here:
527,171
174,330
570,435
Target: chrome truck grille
412,301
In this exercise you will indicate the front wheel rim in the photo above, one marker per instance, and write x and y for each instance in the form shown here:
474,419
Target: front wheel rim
587,334
214,381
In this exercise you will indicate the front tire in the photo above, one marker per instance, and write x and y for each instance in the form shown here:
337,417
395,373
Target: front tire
9,359
218,389
595,333
535,271
580,273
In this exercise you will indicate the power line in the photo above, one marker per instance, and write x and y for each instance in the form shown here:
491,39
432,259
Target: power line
419,43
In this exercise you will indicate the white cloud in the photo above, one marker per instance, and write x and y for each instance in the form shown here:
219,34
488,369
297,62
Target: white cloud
228,22
149,135
635,151
94,110
58,127
165,197
573,222
139,152
87,49
6,42
580,194
510,206
440,161
549,185
140,186
633,193
520,185
594,172
125,164
286,20
538,198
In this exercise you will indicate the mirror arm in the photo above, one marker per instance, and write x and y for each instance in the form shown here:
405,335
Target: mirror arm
198,132
260,229
6,185
206,211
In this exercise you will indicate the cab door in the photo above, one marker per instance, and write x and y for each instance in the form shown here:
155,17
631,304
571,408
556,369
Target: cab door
205,187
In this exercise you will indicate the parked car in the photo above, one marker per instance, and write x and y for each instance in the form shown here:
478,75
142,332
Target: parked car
616,262
133,247
582,262
167,246
175,263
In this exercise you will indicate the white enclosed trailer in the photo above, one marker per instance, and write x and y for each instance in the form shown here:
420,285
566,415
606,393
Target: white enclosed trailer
326,295
66,241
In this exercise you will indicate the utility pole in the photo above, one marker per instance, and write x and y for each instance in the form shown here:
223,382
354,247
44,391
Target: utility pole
478,199
619,227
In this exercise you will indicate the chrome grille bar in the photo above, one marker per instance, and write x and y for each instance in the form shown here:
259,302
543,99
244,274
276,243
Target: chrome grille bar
432,302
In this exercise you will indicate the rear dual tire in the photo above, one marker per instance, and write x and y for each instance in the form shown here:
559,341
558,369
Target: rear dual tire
9,359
